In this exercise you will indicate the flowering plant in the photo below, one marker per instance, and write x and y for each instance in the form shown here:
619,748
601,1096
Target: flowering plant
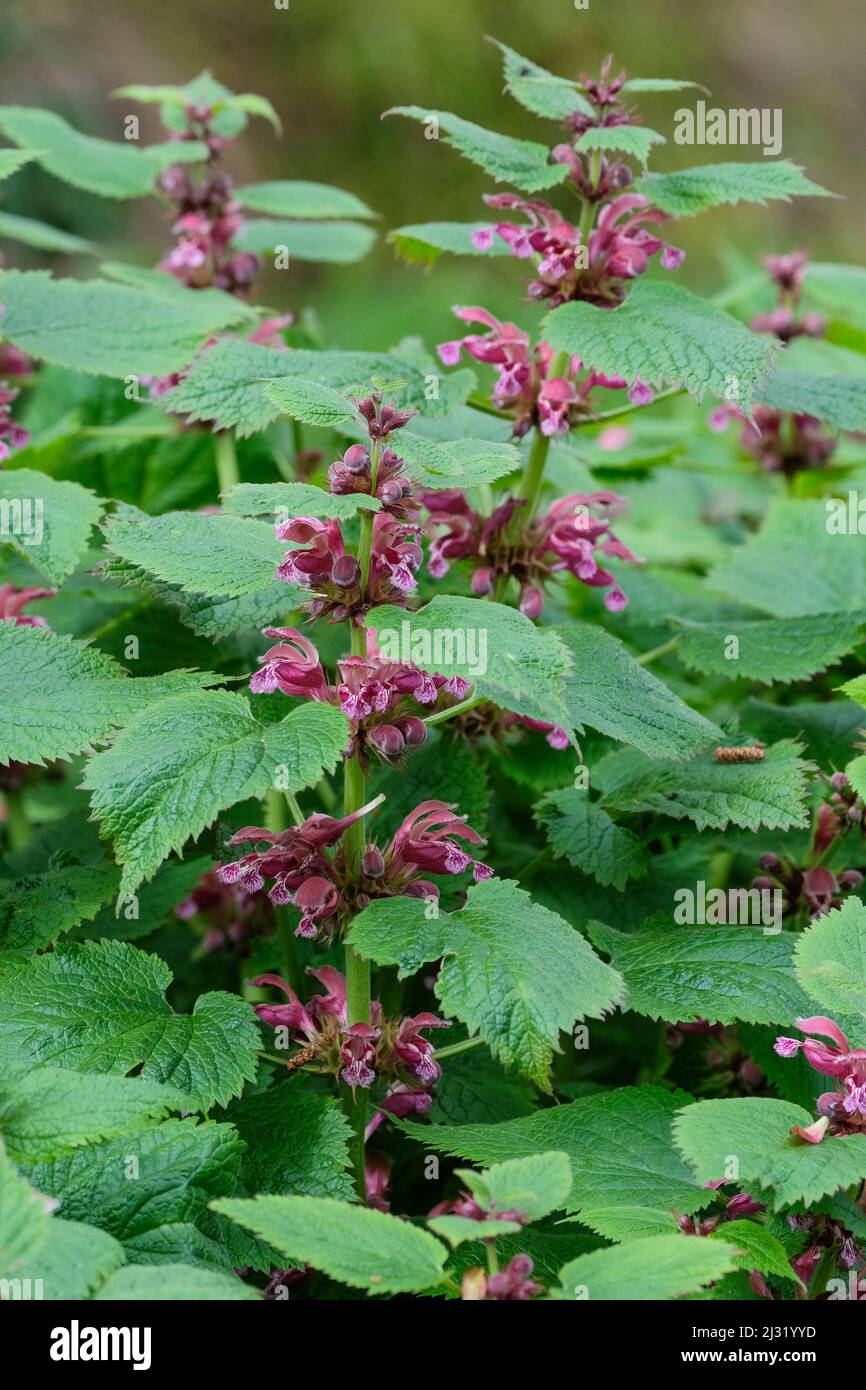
342,813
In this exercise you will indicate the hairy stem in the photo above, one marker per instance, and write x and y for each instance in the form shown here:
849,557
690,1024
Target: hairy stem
656,652
276,819
227,471
469,703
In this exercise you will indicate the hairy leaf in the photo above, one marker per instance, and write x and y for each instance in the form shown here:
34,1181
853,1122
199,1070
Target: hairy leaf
296,198
46,521
830,959
523,163
778,649
688,191
653,1267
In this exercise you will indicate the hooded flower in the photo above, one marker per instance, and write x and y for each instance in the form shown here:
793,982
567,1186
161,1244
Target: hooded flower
415,1053
13,600
843,1111
427,841
333,576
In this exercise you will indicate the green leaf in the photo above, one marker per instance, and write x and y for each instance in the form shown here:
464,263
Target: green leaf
838,290
658,84
722,974
12,160
145,1183
23,1221
688,191
667,336
778,649
830,959
173,1283
296,198
538,90
48,522
44,237
580,831
36,908
223,556
535,1186
856,774
756,1248
633,140
358,1246
296,1143
425,241
59,696
714,795
796,565
48,1111
457,1229
455,463
513,971
610,692
75,1260
252,105
338,243
513,663
100,1006
623,1223
645,1270
295,499
113,169
225,385
619,1143
174,768
523,163
155,901
108,329
840,400
311,402
757,1133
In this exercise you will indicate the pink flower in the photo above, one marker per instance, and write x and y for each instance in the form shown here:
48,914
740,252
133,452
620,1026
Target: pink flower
843,1111
416,1053
13,600
358,1054
427,840
333,576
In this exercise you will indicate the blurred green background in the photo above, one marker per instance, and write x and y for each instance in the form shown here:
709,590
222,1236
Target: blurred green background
332,69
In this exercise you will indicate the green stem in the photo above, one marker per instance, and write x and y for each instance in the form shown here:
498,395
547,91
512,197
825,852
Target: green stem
658,651
454,1049
469,703
227,471
492,1260
587,216
276,820
17,824
365,544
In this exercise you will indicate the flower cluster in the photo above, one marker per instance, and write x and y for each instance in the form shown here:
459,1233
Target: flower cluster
568,538
379,698
512,1284
353,473
842,1111
843,811
392,1049
332,575
233,915
814,891
324,887
778,441
523,384
13,363
619,248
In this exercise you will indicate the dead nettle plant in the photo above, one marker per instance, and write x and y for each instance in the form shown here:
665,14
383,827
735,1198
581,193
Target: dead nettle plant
339,733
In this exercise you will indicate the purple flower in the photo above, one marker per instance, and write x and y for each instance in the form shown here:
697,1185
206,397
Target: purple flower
416,1053
13,600
333,576
843,1111
358,1055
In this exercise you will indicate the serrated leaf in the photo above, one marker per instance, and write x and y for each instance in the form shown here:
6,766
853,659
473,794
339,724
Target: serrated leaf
688,191
154,902
74,1262
296,1143
48,1111
225,384
856,774
211,555
361,1247
830,959
31,232
777,649
252,104
610,692
457,1229
839,400
12,160
652,1268
174,1283
538,90
108,329
23,1221
714,795
58,696
535,1186
795,565
113,169
658,84
511,662
337,243
310,402
722,974
582,832
622,1223
455,463
179,1165
425,241
619,1143
513,971
297,198
172,770
46,521
757,1133
633,140
523,163
667,336
36,908
209,615
100,1006
756,1247
295,499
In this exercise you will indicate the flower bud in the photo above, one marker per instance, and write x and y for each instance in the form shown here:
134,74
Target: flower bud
771,862
372,862
483,581
389,492
838,781
345,572
414,730
850,878
762,882
531,601
387,740
356,458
